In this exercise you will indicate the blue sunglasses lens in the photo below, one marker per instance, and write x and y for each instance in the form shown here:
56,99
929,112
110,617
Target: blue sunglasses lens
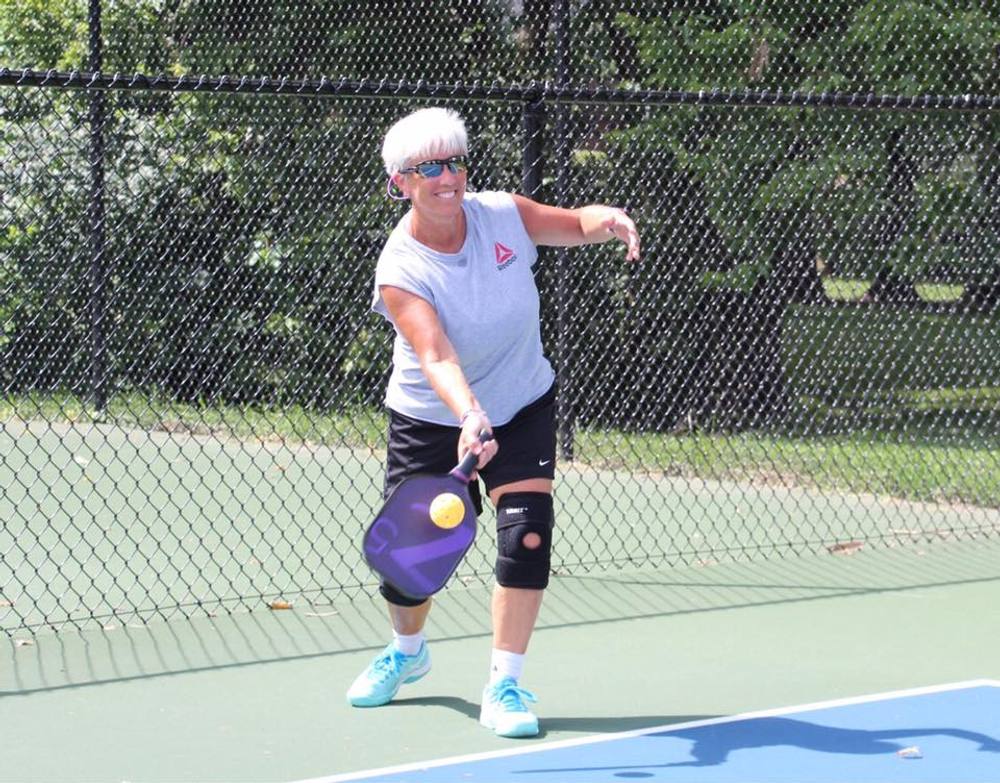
429,170
434,168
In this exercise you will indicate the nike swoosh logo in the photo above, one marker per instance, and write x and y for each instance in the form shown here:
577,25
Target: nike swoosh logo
543,462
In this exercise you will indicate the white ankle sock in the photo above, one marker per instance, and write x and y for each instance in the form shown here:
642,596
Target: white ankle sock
505,664
408,644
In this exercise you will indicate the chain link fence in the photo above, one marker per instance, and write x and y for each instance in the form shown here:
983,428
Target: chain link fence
806,360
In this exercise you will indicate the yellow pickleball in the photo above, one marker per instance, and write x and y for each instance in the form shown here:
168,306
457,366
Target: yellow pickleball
447,510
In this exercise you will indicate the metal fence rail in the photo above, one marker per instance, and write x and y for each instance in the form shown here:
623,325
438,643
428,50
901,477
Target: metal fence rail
806,360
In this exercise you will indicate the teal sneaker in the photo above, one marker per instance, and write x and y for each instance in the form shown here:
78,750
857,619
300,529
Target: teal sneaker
390,669
503,710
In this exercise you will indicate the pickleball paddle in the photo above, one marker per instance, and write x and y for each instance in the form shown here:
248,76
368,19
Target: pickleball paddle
405,546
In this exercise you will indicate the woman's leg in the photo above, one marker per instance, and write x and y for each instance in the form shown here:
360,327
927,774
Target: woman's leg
409,620
515,609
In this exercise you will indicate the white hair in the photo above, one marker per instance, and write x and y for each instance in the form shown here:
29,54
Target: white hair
424,134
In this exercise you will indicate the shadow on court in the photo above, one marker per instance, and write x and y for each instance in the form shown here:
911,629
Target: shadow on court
127,652
594,725
713,744
259,697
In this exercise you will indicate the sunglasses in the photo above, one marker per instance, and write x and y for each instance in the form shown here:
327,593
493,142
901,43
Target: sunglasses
435,168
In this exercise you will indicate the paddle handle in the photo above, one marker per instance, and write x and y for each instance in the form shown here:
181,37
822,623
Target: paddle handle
463,470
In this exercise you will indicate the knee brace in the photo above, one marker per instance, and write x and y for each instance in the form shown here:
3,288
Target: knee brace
519,514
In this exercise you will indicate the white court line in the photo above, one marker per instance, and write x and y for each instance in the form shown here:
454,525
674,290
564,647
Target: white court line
669,727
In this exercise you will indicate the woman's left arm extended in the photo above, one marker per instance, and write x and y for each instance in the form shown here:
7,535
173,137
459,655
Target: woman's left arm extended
547,225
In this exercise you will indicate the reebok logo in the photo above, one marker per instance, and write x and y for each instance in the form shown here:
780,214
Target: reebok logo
504,256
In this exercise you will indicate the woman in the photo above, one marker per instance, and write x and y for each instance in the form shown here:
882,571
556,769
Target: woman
455,281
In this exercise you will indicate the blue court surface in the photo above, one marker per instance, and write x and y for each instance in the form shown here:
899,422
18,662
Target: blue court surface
944,734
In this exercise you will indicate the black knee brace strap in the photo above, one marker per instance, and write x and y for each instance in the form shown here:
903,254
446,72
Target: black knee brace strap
393,596
518,514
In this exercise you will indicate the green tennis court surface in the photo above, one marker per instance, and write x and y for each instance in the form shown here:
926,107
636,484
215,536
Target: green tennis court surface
260,697
115,524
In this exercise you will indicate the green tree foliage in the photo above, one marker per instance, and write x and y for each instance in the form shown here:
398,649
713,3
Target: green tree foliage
814,168
757,201
43,34
242,231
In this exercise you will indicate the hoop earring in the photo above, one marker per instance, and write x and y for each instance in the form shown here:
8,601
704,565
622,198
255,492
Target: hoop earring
392,190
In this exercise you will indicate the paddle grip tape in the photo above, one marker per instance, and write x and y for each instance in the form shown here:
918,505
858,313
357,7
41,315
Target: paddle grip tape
518,514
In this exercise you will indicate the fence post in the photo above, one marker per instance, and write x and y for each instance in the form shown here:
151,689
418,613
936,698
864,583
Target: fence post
96,221
532,163
564,283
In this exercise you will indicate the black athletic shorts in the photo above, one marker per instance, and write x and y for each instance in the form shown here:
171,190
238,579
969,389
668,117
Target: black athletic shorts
527,448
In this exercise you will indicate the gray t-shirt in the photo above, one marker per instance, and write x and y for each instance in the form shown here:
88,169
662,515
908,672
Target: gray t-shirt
486,299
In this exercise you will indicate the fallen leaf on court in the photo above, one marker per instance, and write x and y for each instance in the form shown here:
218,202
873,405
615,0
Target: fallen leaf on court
5,602
279,604
23,642
845,548
912,752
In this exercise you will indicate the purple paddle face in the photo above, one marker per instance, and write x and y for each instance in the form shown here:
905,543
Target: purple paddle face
406,548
